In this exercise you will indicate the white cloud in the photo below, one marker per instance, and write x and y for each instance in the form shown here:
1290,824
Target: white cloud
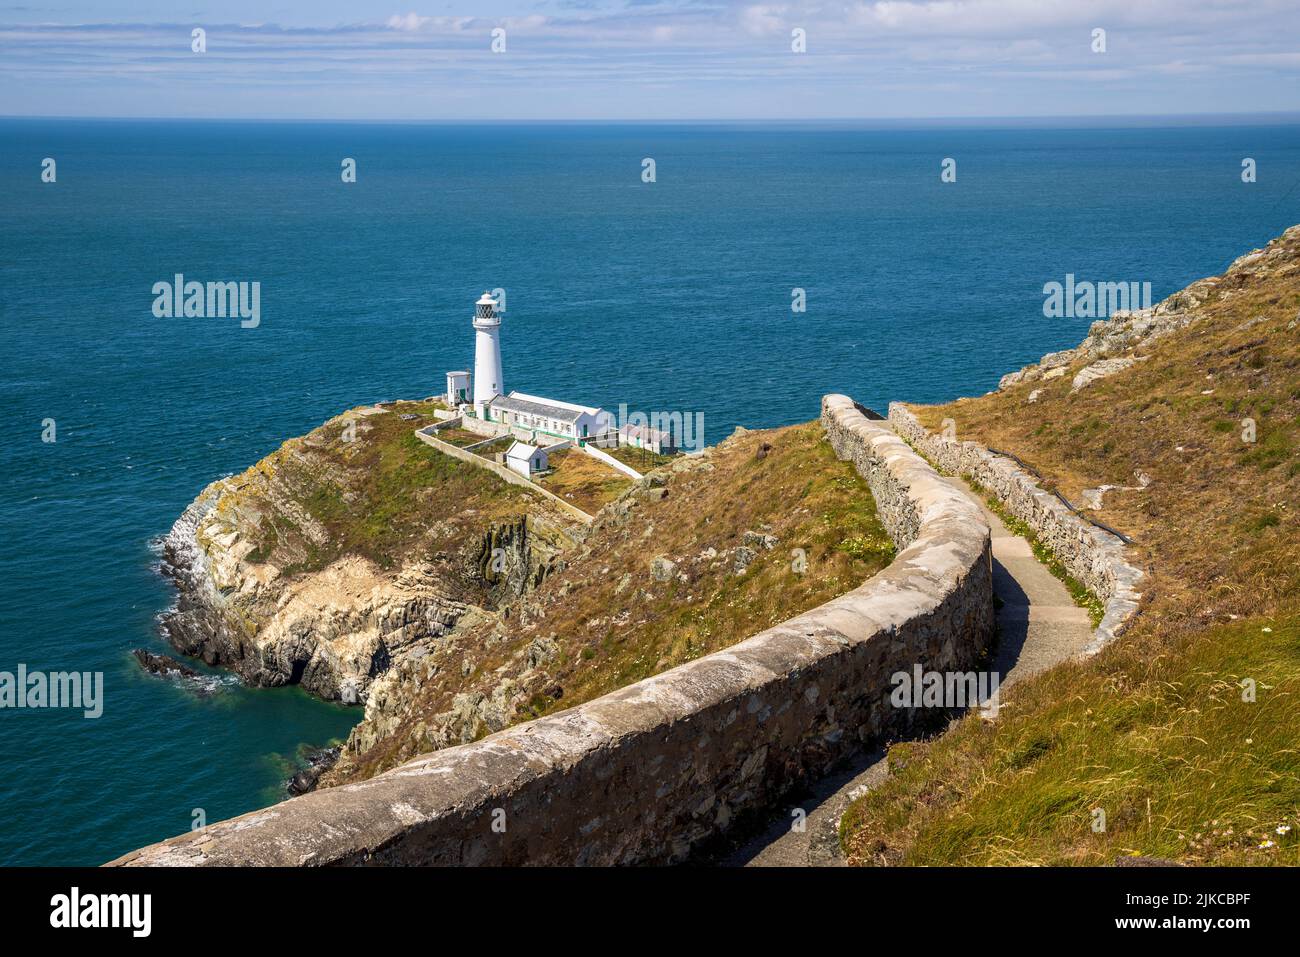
763,20
414,23
408,22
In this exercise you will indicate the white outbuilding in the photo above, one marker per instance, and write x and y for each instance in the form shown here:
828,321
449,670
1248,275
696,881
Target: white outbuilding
525,459
644,437
457,388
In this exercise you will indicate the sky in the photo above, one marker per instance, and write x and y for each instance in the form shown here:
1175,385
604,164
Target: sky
649,60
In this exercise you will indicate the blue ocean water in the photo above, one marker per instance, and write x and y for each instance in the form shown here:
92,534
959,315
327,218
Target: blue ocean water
673,295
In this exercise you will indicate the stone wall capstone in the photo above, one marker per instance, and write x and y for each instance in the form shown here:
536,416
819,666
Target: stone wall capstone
647,773
1091,555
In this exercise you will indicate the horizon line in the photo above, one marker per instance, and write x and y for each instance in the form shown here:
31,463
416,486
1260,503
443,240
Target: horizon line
1291,115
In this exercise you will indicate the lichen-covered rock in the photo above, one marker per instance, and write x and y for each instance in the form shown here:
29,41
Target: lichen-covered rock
1100,370
662,568
541,651
744,557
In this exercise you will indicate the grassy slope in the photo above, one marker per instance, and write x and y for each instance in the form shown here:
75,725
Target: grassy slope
1154,731
383,495
612,624
1155,734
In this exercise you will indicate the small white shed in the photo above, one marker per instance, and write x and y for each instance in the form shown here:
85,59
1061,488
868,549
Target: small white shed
525,459
457,388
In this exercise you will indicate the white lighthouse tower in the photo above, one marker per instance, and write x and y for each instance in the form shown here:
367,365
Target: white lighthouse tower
487,354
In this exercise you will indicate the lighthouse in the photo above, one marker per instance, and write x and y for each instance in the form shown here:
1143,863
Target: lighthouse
487,353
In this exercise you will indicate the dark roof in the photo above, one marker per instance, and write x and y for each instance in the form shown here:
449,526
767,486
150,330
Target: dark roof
514,404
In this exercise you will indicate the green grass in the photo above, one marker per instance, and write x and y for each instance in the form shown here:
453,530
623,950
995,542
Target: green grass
1181,766
1272,447
583,480
869,548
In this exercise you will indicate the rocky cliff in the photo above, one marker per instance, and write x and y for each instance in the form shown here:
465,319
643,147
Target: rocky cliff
347,549
657,768
1112,344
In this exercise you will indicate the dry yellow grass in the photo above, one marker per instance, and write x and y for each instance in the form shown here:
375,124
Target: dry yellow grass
583,480
612,623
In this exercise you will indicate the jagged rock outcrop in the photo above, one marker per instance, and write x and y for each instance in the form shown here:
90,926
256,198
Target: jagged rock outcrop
318,762
517,556
1125,332
333,631
163,665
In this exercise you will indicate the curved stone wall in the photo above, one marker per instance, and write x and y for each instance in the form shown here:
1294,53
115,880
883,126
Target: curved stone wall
1090,554
648,772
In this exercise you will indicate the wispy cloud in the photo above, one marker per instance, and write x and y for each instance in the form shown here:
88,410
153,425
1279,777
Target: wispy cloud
600,58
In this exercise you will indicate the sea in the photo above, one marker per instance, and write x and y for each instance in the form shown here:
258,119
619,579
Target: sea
758,268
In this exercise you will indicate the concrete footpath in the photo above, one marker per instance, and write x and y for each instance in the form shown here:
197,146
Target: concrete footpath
1039,626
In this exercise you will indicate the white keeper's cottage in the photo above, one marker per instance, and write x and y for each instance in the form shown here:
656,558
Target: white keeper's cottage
645,437
563,420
